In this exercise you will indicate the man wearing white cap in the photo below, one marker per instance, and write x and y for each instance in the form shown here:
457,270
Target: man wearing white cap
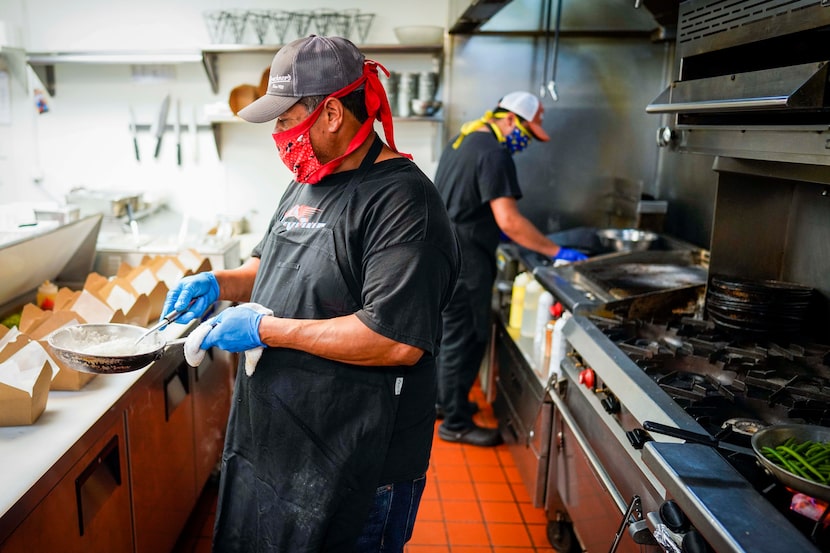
329,437
477,180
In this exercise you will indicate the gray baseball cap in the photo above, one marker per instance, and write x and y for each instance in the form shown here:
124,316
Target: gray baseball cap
310,66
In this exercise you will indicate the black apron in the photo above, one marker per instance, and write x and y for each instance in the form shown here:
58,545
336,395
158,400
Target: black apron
307,437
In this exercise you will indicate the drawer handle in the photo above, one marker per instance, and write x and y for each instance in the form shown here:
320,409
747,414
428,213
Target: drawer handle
97,483
175,390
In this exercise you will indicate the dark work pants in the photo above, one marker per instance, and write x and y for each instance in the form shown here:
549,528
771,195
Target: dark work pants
392,517
462,349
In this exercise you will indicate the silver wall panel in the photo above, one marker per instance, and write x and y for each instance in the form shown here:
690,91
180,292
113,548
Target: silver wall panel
602,139
603,145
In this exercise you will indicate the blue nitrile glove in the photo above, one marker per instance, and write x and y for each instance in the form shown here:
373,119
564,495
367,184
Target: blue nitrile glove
201,287
567,254
235,329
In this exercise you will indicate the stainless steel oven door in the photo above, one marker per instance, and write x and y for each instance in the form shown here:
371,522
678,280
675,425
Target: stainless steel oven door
592,474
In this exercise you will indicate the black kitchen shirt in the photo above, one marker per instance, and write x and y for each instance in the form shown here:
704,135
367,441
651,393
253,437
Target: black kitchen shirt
395,243
467,178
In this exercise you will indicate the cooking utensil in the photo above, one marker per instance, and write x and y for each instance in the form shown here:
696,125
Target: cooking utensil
164,321
194,132
177,131
627,239
771,436
695,437
134,134
550,87
241,96
757,306
776,435
160,124
107,348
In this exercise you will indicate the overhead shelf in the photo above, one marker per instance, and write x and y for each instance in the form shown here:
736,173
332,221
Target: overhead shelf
43,63
14,60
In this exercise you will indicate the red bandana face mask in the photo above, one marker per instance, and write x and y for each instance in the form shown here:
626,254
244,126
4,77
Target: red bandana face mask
294,145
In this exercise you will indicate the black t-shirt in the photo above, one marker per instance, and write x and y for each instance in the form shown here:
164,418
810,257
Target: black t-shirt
467,178
395,241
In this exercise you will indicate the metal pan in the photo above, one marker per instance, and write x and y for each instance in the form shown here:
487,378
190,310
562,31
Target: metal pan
695,437
107,348
778,434
769,436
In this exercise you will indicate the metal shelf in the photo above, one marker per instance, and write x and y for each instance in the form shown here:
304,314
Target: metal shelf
43,63
14,60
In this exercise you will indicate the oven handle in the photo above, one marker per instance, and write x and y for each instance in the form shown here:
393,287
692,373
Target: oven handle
594,461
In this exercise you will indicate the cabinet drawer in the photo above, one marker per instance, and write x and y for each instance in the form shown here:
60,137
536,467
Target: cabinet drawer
88,511
161,451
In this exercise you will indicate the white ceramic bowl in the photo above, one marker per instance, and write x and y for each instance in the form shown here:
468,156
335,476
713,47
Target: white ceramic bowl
420,34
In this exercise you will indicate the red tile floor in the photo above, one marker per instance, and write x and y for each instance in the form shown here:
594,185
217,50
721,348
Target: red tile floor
474,502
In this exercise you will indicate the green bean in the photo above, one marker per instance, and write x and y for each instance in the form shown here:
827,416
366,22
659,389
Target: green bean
802,447
819,457
785,463
806,465
808,459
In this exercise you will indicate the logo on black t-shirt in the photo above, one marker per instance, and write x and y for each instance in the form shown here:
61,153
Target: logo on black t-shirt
301,215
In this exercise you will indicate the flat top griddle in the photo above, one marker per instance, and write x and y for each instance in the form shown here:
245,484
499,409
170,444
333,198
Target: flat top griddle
633,279
630,283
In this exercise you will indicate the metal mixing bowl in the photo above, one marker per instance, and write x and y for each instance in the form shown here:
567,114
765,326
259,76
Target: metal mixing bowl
627,239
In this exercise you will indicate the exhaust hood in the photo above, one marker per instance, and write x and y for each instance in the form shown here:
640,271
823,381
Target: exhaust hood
752,82
800,87
476,15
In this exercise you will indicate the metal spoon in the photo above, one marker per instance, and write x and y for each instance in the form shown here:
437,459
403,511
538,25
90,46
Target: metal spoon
166,320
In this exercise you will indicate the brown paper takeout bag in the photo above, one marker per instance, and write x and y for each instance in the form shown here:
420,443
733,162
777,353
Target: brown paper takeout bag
22,405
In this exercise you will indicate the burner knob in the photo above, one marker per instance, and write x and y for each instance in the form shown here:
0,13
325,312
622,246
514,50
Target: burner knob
673,517
693,542
588,378
611,405
638,437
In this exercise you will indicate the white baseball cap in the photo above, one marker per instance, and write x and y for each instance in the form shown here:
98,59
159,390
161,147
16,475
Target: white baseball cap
528,107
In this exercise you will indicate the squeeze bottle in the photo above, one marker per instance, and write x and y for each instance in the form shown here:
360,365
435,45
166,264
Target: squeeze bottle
517,300
46,293
532,292
558,345
543,316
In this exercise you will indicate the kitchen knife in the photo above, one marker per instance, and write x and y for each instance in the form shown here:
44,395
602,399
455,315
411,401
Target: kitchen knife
134,133
194,130
177,130
160,125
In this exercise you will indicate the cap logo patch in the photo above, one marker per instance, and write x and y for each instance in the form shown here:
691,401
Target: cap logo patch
279,82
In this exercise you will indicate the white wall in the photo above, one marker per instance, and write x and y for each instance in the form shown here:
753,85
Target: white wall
83,140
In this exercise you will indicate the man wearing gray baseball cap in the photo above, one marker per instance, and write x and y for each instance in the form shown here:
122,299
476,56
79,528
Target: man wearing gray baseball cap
329,437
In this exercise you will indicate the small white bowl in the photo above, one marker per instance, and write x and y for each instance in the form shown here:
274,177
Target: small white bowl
420,34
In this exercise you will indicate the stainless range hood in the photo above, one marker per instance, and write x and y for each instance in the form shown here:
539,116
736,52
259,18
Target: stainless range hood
477,14
800,87
752,82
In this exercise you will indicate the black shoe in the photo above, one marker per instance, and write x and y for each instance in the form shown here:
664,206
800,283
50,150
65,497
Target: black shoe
475,435
440,414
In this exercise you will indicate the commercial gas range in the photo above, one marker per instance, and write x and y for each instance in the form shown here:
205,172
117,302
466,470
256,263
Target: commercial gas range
686,374
642,350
